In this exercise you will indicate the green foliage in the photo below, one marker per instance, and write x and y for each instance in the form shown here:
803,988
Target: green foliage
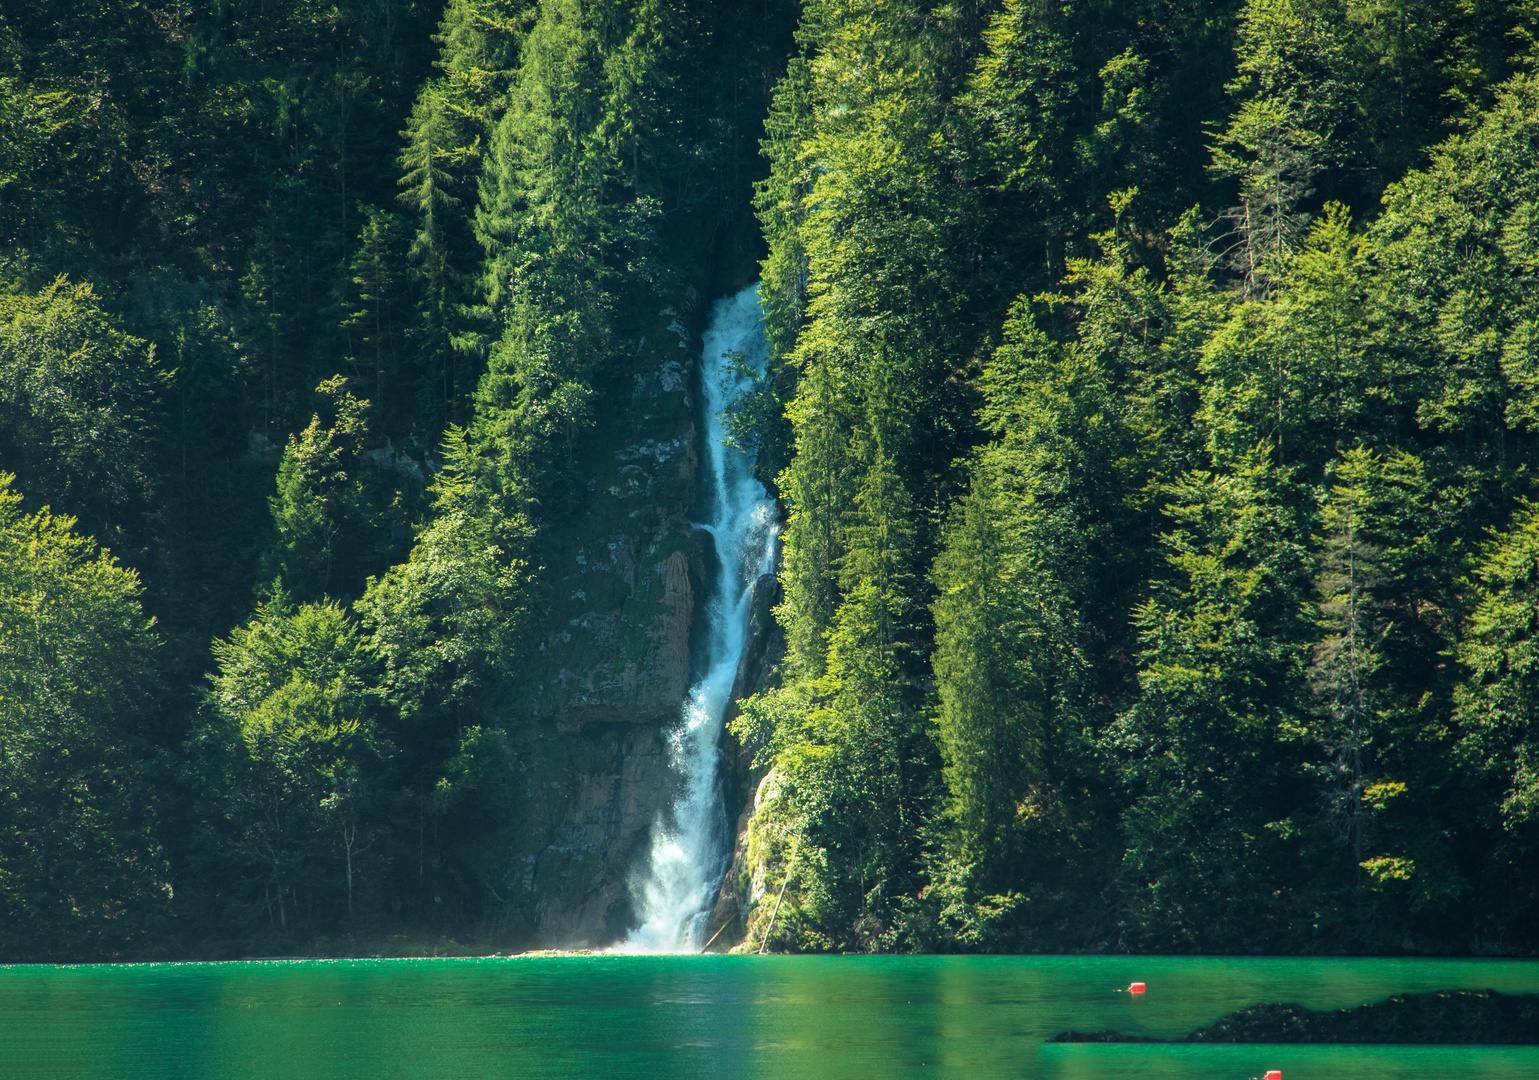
1350,655
319,508
293,721
1304,372
1181,500
81,866
446,135
1293,93
1211,745
1150,398
1494,711
568,223
1495,707
1469,214
446,621
1004,668
338,741
380,318
1018,596
78,405
450,630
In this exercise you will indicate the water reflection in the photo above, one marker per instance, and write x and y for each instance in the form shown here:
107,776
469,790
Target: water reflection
709,1017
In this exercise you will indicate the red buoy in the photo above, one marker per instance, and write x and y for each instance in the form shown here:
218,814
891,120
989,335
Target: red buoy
1273,1074
1138,988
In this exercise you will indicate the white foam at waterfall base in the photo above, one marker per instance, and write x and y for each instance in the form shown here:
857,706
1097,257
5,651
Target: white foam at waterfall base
690,843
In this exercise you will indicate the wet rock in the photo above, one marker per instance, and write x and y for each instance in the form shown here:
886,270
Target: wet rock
586,801
762,651
765,874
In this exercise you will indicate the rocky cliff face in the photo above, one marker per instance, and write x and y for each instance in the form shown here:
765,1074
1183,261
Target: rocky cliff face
588,725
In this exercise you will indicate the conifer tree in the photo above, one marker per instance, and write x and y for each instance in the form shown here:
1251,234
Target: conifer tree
1348,657
378,283
1294,92
885,749
1495,708
1212,746
319,510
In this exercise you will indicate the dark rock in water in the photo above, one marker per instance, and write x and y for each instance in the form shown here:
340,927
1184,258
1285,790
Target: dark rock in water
1450,1016
1447,1017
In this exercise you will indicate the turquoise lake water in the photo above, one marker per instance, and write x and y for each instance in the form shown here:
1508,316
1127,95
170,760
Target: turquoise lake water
681,1018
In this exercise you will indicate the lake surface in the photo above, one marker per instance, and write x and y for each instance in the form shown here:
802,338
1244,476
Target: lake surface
780,1017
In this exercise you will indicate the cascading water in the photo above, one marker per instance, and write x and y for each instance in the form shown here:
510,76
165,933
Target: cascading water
690,844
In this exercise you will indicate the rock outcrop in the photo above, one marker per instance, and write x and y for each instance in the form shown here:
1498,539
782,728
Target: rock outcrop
588,724
1446,1017
741,781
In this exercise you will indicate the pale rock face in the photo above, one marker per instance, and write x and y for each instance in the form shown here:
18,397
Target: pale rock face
591,799
621,632
587,731
764,865
630,688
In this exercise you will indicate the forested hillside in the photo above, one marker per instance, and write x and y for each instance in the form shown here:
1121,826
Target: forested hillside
1153,403
305,310
1159,571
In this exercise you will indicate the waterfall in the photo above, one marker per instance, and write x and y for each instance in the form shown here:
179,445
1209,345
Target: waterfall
690,844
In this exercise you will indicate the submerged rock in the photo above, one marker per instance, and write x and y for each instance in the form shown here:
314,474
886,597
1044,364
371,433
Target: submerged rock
1447,1017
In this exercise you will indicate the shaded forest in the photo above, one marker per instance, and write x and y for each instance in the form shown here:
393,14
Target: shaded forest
1152,403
